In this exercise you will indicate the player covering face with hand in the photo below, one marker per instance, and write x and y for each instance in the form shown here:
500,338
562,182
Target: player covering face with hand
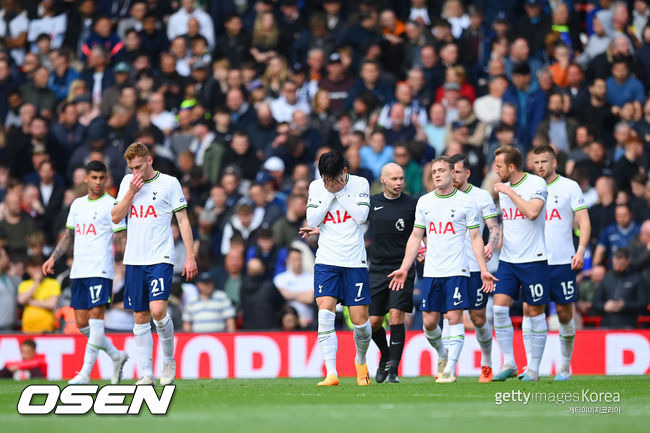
149,199
445,216
337,208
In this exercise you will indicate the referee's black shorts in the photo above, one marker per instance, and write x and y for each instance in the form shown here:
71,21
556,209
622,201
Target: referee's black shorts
382,298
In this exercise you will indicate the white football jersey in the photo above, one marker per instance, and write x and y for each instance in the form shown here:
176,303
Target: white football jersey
148,221
93,237
564,200
523,239
486,210
446,220
341,219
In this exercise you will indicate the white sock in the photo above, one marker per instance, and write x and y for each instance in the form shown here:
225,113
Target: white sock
165,329
108,347
526,327
504,332
484,338
567,338
94,344
85,331
362,337
456,340
538,333
327,341
435,340
445,333
144,348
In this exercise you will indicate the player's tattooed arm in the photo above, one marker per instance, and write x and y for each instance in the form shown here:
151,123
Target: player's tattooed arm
495,235
62,248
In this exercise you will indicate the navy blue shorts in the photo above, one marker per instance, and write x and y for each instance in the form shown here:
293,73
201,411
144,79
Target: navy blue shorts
533,277
477,297
445,294
564,289
89,293
351,286
146,283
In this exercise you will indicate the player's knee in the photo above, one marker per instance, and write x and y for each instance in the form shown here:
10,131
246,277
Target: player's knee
376,322
81,324
429,322
564,315
478,319
396,317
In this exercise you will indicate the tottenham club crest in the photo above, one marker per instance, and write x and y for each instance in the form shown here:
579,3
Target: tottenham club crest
399,225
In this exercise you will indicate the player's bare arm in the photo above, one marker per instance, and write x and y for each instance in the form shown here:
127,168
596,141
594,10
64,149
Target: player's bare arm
478,249
531,209
584,226
189,269
119,211
412,246
495,236
62,248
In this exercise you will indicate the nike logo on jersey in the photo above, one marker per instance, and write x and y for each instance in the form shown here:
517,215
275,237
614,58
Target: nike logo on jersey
359,299
457,303
379,207
154,294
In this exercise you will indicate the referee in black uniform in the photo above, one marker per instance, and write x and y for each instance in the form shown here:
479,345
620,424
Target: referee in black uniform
391,218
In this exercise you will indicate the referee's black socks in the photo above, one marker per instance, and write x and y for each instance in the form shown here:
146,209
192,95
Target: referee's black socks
397,336
379,337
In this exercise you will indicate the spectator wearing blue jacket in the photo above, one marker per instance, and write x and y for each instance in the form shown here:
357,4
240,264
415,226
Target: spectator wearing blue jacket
103,36
616,236
623,87
62,74
369,81
529,100
377,154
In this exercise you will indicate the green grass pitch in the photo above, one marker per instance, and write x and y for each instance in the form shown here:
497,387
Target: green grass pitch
415,405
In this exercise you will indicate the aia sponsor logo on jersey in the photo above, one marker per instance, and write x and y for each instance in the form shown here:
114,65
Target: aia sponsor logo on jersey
512,214
141,212
555,214
83,230
336,218
441,228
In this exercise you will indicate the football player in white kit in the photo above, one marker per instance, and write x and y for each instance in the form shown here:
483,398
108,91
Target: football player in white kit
478,298
90,227
149,199
445,216
564,207
522,197
338,206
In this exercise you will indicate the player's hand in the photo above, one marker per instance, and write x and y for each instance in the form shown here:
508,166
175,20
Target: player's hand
501,187
488,282
334,184
189,269
48,267
610,306
398,279
136,182
305,232
577,261
487,251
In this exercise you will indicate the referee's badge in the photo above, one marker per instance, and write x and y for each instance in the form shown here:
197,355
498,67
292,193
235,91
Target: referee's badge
399,225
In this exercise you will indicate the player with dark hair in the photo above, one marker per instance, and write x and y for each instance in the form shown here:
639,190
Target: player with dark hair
445,215
149,199
338,207
522,262
90,227
391,218
477,297
565,208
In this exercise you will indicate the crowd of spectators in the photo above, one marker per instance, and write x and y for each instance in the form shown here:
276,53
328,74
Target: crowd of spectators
238,98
